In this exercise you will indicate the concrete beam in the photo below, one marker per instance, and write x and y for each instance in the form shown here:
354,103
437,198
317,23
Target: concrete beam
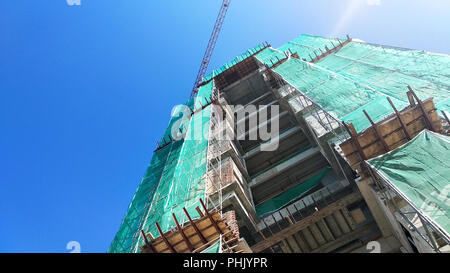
278,139
255,113
275,170
259,98
251,130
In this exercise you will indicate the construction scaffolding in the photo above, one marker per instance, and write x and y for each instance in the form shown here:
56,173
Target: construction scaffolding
348,100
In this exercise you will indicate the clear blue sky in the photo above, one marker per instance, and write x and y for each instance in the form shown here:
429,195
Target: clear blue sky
85,91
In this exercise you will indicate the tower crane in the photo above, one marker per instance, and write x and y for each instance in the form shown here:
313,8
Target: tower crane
211,44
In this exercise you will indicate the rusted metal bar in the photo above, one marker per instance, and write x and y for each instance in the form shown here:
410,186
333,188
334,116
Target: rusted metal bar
422,108
145,238
210,217
355,141
165,238
446,118
199,211
202,238
410,98
377,132
405,129
147,243
180,229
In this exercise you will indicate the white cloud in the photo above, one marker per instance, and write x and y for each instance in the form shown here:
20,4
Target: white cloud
373,2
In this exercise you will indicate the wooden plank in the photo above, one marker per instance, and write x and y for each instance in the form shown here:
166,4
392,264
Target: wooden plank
317,234
309,238
343,225
348,218
272,240
285,247
302,242
392,124
293,244
325,230
333,225
176,239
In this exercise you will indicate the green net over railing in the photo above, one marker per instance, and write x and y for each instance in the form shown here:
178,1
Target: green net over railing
233,62
420,172
174,179
291,194
361,76
340,96
390,70
306,45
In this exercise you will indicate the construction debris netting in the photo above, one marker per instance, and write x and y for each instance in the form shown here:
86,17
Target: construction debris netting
420,171
233,62
340,96
291,194
306,46
361,76
175,178
389,70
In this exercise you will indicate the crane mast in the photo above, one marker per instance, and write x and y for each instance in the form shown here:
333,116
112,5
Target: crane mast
211,44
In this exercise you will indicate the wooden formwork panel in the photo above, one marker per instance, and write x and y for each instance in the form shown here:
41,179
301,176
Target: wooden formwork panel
392,132
207,229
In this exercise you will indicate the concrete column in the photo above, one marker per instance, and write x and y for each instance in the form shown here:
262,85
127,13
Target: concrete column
364,186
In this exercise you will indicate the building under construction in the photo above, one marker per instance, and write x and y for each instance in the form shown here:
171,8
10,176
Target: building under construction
360,162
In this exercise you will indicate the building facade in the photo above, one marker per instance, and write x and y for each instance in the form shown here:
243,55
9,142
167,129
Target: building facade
273,146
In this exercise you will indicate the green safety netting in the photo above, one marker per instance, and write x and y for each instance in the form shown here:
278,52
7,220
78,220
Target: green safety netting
293,193
444,106
215,248
270,56
420,172
174,179
390,70
342,97
233,62
306,45
370,73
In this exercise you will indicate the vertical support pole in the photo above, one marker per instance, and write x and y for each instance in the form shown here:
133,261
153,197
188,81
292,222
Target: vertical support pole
405,129
210,217
354,137
422,108
147,243
377,132
202,238
164,238
180,229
